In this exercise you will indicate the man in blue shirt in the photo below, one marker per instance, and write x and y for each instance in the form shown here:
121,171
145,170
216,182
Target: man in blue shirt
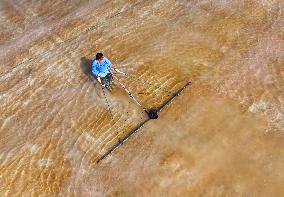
101,69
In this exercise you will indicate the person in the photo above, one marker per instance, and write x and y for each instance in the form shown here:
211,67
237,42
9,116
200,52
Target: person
101,69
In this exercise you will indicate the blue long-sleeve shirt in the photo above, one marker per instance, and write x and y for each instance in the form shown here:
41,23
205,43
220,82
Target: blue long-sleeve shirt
101,69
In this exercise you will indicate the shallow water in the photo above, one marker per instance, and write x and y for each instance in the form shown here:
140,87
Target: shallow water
223,136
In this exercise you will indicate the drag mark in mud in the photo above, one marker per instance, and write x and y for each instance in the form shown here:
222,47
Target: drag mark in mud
138,127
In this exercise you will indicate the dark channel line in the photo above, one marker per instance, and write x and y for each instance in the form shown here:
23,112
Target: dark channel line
170,100
138,127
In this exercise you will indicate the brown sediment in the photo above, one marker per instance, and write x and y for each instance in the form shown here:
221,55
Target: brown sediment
222,137
5,36
156,82
38,169
201,157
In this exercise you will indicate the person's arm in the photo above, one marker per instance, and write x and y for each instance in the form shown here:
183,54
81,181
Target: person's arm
96,73
112,66
99,79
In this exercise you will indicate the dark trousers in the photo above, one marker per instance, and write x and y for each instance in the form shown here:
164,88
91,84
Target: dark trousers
107,80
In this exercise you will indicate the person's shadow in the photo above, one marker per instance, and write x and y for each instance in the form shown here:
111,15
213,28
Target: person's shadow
86,66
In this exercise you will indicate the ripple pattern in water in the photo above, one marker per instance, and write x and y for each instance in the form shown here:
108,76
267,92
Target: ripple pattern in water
55,122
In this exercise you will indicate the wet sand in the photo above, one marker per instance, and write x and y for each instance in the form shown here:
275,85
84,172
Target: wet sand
223,136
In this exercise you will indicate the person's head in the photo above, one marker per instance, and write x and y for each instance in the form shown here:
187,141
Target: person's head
99,56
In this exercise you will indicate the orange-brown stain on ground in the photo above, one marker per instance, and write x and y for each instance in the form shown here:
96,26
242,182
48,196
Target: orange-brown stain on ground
223,136
37,170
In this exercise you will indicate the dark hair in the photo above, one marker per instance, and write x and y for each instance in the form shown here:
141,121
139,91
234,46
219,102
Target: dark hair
99,56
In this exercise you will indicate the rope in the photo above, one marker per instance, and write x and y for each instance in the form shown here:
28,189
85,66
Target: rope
107,102
146,82
129,93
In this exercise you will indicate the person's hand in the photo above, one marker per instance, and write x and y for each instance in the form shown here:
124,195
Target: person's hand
99,80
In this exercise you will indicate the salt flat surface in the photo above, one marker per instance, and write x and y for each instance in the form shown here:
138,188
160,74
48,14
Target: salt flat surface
223,136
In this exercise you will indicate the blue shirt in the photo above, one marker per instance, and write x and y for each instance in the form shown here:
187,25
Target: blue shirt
101,69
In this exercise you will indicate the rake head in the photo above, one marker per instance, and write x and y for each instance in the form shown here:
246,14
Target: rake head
152,113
